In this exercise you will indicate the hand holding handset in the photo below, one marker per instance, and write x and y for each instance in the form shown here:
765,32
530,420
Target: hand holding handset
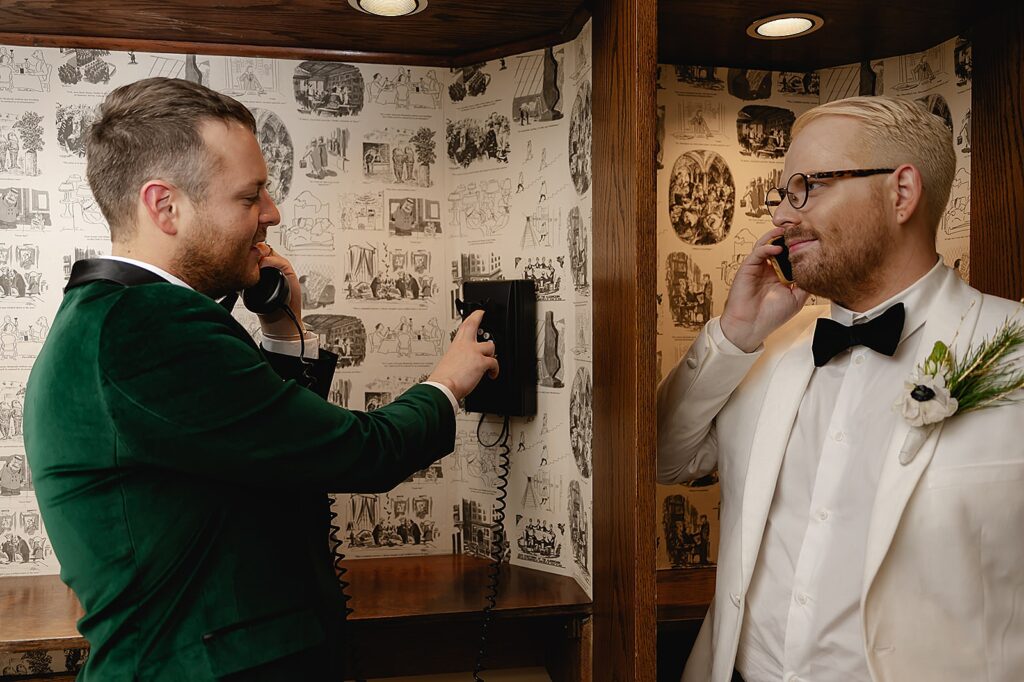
783,268
268,295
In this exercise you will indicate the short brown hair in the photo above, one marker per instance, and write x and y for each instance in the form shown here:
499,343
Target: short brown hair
150,129
898,131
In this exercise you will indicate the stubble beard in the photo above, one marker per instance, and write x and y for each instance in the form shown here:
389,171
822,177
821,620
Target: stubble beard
211,265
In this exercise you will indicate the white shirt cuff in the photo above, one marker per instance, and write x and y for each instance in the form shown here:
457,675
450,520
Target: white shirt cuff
292,348
447,392
722,344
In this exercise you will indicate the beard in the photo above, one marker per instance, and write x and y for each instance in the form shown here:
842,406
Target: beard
845,263
214,265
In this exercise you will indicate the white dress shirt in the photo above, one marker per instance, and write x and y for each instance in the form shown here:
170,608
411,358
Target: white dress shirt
802,620
280,347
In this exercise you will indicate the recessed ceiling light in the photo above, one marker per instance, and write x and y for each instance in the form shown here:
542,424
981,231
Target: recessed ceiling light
789,25
389,8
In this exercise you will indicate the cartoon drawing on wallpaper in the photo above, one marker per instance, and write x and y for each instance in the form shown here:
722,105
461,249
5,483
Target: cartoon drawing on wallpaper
485,206
481,536
581,421
578,251
326,156
584,332
659,137
401,91
23,208
317,286
83,65
753,200
73,121
168,67
14,474
29,522
957,218
936,104
579,528
343,335
539,540
750,84
20,341
840,82
362,211
21,140
311,228
701,118
473,463
248,83
764,132
78,254
80,207
340,392
704,77
690,291
545,161
580,136
472,140
390,275
29,74
278,151
799,83
964,136
476,266
551,352
687,533
408,216
469,80
546,275
406,340
541,227
12,401
331,89
400,156
582,58
390,521
538,87
701,197
962,61
921,71
959,258
742,244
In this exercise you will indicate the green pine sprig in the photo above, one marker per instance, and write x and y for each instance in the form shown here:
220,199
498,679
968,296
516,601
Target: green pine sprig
983,377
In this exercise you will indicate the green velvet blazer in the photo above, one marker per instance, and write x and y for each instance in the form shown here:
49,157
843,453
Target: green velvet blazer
182,482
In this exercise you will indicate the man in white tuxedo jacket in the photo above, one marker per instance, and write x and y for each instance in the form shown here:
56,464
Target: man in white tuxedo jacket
850,550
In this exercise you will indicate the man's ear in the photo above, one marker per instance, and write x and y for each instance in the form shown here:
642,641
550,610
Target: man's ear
908,191
162,203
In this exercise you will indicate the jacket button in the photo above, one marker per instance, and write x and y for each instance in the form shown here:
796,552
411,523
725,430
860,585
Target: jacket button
735,596
691,362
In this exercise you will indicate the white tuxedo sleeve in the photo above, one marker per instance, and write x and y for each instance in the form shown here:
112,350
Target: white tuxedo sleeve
690,398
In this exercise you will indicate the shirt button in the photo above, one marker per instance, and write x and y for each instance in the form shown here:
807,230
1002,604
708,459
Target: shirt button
801,599
822,515
791,677
859,360
840,436
735,597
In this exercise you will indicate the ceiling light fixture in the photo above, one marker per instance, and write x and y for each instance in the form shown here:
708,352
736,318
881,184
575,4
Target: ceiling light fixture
389,8
781,26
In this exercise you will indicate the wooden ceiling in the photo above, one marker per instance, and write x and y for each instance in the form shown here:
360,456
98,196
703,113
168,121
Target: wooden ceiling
454,32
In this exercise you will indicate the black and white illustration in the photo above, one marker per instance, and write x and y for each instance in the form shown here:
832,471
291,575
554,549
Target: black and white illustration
173,66
382,390
742,244
963,137
580,137
958,256
551,351
39,662
325,157
542,491
920,71
343,335
546,273
402,520
686,532
84,67
385,273
475,142
701,197
474,464
400,156
80,253
579,527
840,82
956,220
480,209
539,80
407,339
579,251
310,229
404,89
22,336
542,225
22,208
468,81
753,199
702,77
584,332
936,105
362,211
318,290
73,121
21,140
15,475
12,414
799,83
246,78
701,119
24,71
80,210
475,519
764,132
340,392
278,151
690,291
476,266
22,282
581,55
581,424
750,84
659,138
540,540
328,89
412,216
963,63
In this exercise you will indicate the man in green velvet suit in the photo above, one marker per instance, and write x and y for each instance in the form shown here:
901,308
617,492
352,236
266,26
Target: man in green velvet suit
180,469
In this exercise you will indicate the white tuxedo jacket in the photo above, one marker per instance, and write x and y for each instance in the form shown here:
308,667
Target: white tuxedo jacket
943,589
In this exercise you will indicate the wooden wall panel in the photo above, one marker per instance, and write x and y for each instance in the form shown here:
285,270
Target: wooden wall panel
624,46
997,154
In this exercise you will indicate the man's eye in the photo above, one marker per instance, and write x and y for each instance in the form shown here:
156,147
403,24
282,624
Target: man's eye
813,184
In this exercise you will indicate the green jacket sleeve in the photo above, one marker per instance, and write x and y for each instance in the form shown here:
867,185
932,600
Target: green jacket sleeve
187,392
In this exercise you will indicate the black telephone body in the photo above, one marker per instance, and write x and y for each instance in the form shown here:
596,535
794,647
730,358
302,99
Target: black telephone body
783,267
271,293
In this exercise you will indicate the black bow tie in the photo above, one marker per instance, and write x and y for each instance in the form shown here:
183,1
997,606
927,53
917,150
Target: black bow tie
881,335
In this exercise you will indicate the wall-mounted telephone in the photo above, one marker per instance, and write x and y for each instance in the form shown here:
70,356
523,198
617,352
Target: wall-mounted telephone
269,294
510,321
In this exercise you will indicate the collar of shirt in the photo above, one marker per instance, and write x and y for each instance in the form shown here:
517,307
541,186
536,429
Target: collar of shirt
152,268
916,299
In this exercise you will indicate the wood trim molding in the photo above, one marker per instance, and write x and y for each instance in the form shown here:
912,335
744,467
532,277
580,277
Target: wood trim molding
624,267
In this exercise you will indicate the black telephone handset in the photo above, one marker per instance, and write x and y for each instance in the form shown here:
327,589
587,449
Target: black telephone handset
783,268
271,293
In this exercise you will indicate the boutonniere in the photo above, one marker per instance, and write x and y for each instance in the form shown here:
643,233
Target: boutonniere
943,385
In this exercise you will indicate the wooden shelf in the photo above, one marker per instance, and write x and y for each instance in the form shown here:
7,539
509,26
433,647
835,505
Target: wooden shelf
685,594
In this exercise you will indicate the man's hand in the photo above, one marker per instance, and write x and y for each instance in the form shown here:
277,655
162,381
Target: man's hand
467,360
758,302
278,323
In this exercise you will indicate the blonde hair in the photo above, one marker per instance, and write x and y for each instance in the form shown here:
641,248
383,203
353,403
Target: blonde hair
898,131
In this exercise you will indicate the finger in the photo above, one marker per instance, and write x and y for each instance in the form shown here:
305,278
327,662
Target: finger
769,235
470,326
487,348
492,368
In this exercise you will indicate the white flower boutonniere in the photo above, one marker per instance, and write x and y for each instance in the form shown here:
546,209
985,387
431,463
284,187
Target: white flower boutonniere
943,386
